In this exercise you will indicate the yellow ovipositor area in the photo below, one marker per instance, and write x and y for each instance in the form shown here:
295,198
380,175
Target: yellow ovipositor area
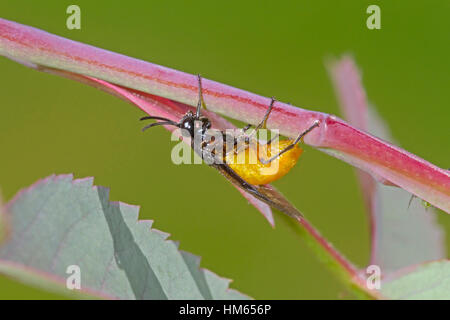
248,165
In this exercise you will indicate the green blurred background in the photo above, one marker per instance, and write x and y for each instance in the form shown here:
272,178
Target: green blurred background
273,48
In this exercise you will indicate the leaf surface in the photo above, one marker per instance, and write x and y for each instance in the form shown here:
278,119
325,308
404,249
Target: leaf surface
61,222
430,281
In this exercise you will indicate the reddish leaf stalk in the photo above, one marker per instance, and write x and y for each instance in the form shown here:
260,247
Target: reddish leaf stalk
337,262
173,110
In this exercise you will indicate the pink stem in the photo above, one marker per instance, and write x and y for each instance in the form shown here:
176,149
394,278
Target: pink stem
336,137
331,256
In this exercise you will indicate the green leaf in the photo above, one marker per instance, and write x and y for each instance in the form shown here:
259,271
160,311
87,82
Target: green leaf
61,222
427,281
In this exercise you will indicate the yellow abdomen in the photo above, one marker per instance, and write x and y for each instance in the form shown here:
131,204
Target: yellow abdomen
247,164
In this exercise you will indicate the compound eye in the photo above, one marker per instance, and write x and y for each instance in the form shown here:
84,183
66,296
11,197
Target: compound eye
187,128
187,125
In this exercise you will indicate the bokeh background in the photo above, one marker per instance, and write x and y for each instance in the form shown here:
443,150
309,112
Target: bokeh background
273,48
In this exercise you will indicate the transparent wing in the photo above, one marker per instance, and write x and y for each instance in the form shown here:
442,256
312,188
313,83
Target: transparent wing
265,193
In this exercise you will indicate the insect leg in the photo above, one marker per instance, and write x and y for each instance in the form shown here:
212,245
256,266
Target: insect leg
263,122
201,102
244,129
238,148
270,141
292,145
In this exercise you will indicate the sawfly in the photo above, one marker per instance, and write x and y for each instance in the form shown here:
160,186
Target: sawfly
223,153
